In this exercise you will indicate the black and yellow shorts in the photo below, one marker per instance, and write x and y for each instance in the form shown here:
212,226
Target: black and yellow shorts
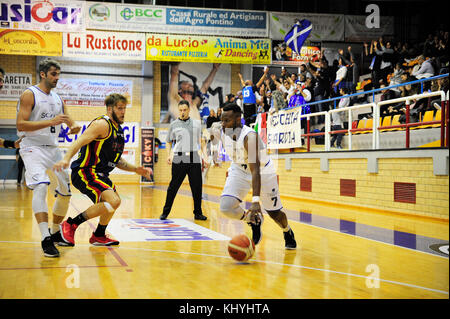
91,183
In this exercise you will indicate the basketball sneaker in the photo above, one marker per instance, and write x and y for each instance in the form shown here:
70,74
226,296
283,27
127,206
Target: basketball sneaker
289,240
57,238
68,231
49,247
256,228
102,241
200,217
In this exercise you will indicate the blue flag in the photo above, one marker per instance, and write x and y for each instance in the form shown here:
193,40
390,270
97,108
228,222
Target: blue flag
298,34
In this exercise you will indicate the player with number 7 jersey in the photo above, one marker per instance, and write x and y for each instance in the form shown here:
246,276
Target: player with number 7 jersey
251,169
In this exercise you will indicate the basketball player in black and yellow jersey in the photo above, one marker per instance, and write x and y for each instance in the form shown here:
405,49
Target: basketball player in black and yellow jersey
101,147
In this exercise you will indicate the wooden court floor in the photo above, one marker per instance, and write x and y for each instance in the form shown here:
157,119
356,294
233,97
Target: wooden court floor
342,253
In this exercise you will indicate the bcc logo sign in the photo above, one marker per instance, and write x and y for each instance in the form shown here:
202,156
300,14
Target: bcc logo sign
129,13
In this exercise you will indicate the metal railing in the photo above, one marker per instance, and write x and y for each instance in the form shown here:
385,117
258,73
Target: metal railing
376,125
376,121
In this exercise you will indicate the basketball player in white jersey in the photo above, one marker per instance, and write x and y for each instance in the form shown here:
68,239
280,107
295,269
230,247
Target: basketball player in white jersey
251,168
40,113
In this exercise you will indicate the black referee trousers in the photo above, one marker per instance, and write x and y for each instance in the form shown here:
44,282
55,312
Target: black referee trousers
191,166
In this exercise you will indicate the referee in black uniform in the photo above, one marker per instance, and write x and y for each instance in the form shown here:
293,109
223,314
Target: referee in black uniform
184,138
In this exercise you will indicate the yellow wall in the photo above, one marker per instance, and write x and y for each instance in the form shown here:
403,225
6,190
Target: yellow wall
373,191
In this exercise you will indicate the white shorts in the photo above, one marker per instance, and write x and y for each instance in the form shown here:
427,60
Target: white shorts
38,161
239,183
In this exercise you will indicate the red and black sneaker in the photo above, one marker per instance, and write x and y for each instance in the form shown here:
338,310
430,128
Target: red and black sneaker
102,241
68,231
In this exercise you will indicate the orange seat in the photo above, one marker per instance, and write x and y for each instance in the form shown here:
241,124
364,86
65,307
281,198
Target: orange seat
437,117
427,117
385,121
368,125
361,124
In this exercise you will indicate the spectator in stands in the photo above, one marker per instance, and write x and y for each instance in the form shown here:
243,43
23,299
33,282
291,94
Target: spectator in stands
425,68
238,99
394,78
229,98
300,97
211,118
338,118
440,84
322,75
354,66
278,102
284,74
375,62
266,100
284,87
387,54
348,59
303,70
341,73
251,97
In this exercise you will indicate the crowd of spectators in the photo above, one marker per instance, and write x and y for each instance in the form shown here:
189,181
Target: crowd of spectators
408,63
391,63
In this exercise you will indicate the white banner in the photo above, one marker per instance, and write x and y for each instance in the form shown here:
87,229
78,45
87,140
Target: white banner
83,92
284,129
109,45
325,27
14,85
38,15
161,19
356,28
130,133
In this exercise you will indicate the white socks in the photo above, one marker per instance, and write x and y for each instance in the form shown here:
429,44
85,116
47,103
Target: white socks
43,227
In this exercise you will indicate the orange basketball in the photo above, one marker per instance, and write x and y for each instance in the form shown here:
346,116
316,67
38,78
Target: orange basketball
241,247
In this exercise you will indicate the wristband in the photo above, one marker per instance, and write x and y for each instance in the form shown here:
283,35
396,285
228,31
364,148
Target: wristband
255,199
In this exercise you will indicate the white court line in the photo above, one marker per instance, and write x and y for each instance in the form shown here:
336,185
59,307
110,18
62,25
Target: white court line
339,232
265,262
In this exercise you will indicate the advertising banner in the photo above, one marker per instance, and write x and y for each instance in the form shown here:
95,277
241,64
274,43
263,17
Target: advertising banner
208,49
325,27
283,55
356,28
25,42
109,45
38,15
130,133
84,92
284,129
14,84
217,22
161,19
147,150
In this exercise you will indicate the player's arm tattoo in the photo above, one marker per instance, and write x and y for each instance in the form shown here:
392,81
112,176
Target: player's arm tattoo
123,164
